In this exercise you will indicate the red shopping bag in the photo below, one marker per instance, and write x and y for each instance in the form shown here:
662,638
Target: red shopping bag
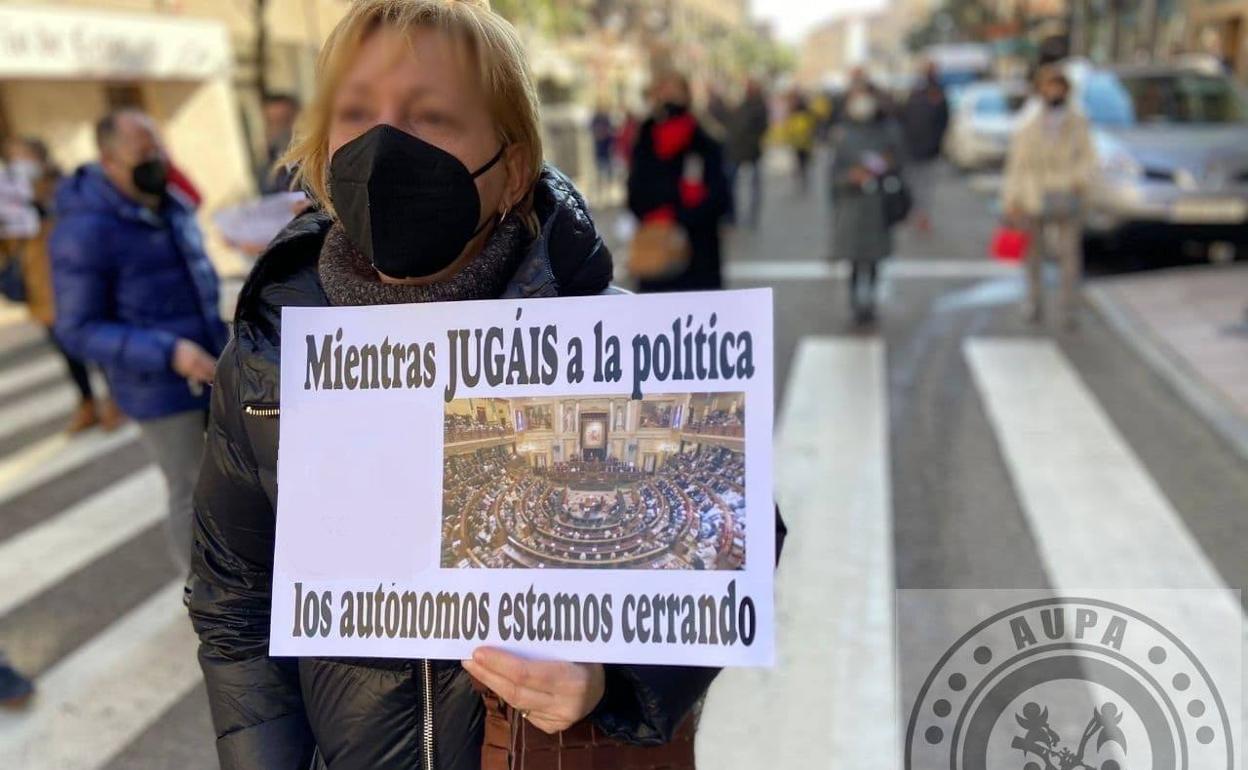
1009,244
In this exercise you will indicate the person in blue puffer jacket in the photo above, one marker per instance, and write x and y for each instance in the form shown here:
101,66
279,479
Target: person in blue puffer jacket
137,295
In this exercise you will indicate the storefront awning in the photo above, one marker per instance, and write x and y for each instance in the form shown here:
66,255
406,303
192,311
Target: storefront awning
41,42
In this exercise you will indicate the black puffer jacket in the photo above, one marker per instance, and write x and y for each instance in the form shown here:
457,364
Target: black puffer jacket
269,713
656,181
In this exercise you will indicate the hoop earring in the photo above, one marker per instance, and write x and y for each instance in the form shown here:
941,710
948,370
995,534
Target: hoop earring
503,217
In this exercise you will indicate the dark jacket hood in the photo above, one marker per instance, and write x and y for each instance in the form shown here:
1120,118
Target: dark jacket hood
566,258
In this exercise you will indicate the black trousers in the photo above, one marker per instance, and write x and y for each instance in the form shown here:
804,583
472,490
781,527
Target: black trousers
862,280
76,368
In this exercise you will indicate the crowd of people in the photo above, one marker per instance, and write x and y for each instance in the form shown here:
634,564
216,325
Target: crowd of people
462,427
686,169
113,265
702,170
465,487
688,514
135,296
605,473
110,260
538,418
714,480
656,415
719,422
560,528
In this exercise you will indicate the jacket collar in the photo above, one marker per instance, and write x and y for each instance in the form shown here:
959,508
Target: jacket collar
296,249
90,190
567,257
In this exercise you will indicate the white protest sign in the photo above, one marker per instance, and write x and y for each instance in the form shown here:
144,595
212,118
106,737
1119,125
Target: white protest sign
581,478
255,222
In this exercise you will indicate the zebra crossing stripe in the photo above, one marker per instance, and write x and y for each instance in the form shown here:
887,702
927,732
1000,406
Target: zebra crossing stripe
40,370
51,402
102,696
15,319
44,460
19,337
834,589
789,270
901,269
1099,518
1081,485
41,556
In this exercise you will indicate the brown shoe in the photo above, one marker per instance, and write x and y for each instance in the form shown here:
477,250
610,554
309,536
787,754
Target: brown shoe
84,417
111,417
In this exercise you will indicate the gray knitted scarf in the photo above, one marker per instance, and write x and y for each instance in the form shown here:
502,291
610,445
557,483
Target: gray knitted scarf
349,278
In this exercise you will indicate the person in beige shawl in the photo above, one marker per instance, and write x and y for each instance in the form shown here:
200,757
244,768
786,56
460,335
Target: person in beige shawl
1047,173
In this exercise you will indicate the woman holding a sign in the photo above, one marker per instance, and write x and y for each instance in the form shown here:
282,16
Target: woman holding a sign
422,150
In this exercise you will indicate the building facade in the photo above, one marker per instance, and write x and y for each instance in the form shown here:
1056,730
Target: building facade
191,64
607,58
827,52
1123,31
1219,28
195,66
876,40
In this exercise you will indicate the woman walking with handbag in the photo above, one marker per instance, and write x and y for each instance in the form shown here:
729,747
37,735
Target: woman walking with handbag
869,197
1047,173
679,193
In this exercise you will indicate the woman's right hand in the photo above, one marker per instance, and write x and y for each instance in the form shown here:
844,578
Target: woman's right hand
551,695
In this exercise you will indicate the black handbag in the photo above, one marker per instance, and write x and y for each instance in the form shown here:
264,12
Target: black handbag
898,201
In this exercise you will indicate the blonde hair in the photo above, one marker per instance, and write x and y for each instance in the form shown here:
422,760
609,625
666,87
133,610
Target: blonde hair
492,47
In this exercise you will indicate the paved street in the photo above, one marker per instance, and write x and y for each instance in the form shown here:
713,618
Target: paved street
951,446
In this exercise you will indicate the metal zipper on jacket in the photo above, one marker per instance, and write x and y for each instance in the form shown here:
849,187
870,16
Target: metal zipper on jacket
428,726
261,411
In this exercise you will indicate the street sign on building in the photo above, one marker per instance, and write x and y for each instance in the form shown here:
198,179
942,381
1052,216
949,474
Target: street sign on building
79,44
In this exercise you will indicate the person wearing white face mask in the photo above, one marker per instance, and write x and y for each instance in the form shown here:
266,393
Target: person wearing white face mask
30,171
866,178
1047,172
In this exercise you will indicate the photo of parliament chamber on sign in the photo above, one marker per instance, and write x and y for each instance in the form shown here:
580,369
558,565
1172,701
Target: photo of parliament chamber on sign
595,482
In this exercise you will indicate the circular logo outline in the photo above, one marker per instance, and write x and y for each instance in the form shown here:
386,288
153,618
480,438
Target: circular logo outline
921,698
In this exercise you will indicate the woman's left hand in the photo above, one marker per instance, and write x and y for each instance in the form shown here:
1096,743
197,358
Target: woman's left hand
552,695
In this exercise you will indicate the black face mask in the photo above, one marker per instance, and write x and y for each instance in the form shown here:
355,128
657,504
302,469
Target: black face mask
409,206
151,176
671,109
